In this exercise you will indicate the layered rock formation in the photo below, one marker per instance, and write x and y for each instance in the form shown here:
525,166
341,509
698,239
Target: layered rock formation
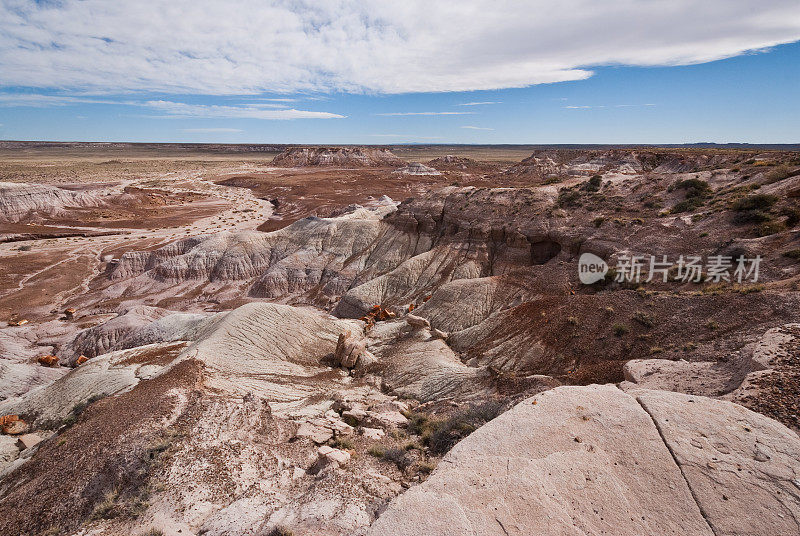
337,156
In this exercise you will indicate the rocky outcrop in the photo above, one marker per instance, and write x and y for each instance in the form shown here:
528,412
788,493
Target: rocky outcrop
555,162
594,460
19,200
337,156
415,168
134,327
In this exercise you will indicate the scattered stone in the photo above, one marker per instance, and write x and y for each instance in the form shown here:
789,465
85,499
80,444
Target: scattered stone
27,441
354,416
439,334
298,473
81,360
48,360
417,321
331,455
374,434
386,419
69,314
317,434
15,320
13,425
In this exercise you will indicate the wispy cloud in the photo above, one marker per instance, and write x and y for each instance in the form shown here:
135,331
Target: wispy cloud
472,127
181,109
208,130
406,136
256,110
589,107
479,103
425,113
205,47
44,101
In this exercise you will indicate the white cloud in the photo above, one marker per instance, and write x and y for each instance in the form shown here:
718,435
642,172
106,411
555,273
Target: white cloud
425,113
323,46
471,127
207,130
478,103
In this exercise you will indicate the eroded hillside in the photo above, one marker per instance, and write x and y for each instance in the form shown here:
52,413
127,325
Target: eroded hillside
209,377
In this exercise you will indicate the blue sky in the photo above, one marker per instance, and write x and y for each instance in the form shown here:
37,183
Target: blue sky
374,79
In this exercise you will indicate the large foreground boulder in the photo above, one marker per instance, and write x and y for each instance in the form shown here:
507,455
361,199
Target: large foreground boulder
597,460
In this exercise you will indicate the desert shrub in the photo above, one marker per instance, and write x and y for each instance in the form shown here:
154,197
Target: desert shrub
694,188
751,216
750,289
645,319
572,320
280,531
792,254
652,202
553,180
778,174
342,443
598,221
593,184
399,457
153,532
770,228
792,216
450,431
426,468
376,451
109,507
696,192
712,325
687,205
619,329
755,202
419,424
568,198
26,247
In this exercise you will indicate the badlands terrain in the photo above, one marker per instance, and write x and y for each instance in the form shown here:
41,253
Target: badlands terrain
253,340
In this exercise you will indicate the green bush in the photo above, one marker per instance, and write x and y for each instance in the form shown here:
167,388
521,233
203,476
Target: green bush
755,202
568,198
376,451
694,188
593,184
687,205
450,431
619,329
751,216
399,457
792,216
